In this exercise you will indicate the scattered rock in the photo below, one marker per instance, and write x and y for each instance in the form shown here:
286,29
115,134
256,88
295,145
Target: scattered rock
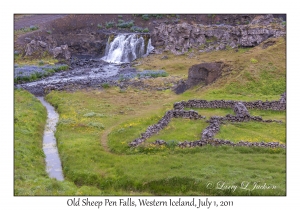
240,110
30,48
57,51
211,130
181,87
262,20
42,44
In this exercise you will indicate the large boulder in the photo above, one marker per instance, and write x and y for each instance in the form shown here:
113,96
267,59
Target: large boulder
30,48
57,51
240,110
204,72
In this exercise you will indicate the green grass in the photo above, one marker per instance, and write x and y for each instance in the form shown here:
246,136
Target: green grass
26,30
37,75
253,132
180,130
21,61
94,149
30,177
116,169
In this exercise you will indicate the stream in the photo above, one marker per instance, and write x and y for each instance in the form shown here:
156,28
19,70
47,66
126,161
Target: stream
84,72
53,164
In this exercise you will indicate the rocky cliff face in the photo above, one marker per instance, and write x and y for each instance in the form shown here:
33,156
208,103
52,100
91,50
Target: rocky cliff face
180,38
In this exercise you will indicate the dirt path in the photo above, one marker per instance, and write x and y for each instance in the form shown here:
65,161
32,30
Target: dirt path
104,136
22,21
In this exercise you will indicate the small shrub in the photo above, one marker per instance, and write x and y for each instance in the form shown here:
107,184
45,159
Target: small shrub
136,29
96,125
121,78
100,26
153,74
65,121
105,85
33,77
61,68
33,28
145,30
171,144
125,24
41,62
90,114
145,17
157,16
110,24
252,60
120,16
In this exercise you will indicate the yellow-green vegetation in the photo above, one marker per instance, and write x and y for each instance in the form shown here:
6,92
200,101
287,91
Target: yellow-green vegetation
96,126
263,80
26,30
150,169
22,61
253,132
180,130
30,177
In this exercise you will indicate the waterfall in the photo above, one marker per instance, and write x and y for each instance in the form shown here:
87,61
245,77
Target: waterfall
126,48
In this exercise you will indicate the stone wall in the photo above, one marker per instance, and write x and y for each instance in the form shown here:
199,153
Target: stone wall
207,135
154,129
262,105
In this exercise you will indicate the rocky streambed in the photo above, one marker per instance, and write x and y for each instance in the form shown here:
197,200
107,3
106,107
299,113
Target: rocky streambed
87,73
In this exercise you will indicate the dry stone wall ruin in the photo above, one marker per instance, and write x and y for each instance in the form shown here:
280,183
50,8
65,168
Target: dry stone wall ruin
207,135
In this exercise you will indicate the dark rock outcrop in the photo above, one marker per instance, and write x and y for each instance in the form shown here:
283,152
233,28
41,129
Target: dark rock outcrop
38,48
204,72
180,37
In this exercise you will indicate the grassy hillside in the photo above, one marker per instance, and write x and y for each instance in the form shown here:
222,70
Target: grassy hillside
30,177
255,73
96,126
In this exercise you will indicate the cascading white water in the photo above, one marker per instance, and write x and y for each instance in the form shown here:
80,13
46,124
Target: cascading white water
126,48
